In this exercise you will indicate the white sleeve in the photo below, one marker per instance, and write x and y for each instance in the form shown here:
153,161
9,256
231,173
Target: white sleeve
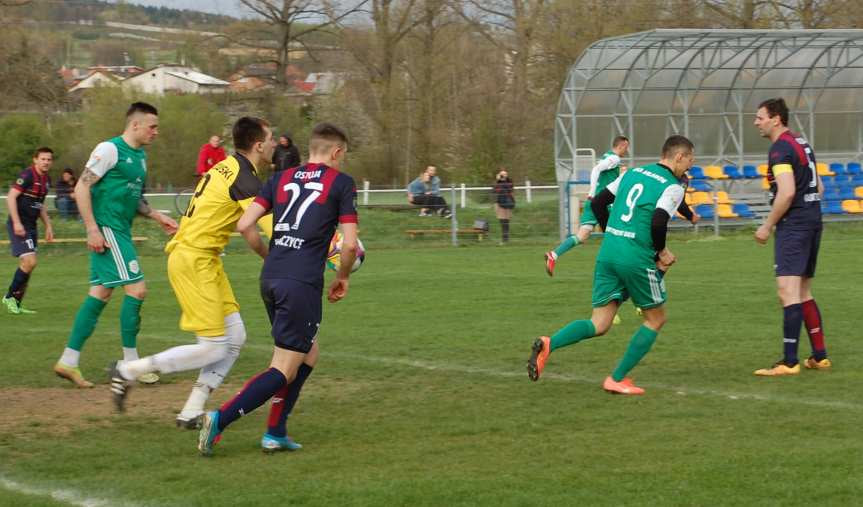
612,187
603,165
103,159
670,199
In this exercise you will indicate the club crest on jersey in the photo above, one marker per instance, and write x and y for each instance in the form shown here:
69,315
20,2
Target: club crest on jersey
19,181
133,267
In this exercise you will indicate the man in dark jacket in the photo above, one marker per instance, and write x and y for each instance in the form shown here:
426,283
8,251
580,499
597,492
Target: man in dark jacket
286,155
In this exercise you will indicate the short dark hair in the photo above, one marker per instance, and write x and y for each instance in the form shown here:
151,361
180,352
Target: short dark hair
141,107
42,149
676,143
774,107
248,131
618,140
324,135
69,171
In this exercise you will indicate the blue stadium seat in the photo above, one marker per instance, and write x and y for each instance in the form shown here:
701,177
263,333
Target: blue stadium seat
696,172
750,171
700,185
732,172
742,210
837,168
847,193
853,168
831,182
857,179
832,207
843,183
831,194
705,210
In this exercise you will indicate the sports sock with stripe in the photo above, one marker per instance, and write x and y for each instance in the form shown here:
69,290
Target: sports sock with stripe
255,393
85,322
284,401
566,246
573,332
639,346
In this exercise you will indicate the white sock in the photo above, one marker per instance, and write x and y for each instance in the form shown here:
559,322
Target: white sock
70,357
130,370
213,374
197,399
130,354
192,357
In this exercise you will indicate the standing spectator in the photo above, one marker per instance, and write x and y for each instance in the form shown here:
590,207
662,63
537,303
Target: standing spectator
504,202
425,191
65,197
211,154
286,155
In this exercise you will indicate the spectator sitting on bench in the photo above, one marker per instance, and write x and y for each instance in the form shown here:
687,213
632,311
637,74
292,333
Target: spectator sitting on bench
425,191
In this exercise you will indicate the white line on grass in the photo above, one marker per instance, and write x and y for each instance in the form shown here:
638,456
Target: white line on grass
68,496
521,373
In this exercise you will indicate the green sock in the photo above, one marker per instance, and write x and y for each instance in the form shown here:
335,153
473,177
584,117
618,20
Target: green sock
85,322
573,332
130,321
640,345
566,246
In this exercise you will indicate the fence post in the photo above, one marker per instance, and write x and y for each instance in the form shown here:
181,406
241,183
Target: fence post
453,219
463,195
527,191
365,191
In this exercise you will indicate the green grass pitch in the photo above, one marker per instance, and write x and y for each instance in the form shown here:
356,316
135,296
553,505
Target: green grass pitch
421,395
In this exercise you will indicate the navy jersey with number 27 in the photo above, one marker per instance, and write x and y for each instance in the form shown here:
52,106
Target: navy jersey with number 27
308,202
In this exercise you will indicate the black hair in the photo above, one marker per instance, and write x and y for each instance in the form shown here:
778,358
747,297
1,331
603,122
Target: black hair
43,149
141,107
618,140
676,143
776,107
324,135
248,131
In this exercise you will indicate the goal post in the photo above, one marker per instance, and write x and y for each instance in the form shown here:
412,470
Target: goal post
573,181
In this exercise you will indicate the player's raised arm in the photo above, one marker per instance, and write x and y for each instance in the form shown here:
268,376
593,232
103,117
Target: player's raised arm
247,226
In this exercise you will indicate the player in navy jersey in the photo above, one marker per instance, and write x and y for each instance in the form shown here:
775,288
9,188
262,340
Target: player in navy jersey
308,203
26,201
795,198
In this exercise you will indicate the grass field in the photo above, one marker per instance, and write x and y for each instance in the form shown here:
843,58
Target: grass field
421,395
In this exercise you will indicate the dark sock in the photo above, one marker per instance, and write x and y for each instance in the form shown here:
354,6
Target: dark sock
791,323
19,285
284,401
504,229
255,393
815,328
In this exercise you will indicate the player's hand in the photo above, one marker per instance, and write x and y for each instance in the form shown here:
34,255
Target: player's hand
666,259
695,218
338,290
18,229
49,234
762,234
95,241
169,225
623,168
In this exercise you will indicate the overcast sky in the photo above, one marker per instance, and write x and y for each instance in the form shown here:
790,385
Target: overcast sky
229,7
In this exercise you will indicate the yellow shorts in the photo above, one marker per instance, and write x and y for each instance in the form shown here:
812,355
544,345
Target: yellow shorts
202,289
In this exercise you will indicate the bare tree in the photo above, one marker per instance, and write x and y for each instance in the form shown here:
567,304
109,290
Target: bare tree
292,22
740,13
812,13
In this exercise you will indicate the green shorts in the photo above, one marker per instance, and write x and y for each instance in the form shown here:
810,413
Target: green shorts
117,265
587,217
619,282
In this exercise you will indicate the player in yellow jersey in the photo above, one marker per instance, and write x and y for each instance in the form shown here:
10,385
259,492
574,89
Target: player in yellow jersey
197,275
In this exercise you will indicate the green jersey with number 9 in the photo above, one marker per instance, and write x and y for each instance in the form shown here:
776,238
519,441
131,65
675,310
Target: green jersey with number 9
638,193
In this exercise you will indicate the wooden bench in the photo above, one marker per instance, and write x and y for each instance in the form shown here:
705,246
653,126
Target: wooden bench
479,233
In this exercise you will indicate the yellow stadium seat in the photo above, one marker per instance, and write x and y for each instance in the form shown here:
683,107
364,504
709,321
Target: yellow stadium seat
765,184
725,211
824,170
859,192
762,169
722,198
701,198
851,206
715,172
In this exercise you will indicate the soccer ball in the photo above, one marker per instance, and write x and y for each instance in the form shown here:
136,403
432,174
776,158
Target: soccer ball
335,251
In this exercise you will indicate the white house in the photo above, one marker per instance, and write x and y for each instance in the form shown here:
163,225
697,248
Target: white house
95,79
174,78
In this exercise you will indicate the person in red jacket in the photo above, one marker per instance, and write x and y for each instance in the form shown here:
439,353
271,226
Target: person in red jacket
211,154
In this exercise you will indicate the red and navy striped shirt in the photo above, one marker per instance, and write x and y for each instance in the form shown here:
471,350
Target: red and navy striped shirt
308,202
792,153
33,187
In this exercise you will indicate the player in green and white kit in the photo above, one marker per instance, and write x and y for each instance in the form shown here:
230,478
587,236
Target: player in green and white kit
632,260
109,196
604,172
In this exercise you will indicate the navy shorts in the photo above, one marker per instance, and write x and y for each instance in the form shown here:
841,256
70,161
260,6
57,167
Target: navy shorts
22,245
294,309
796,251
